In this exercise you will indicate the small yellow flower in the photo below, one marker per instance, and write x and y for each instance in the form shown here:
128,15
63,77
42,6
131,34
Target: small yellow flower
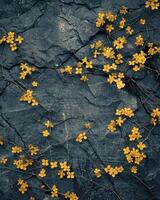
54,191
49,124
42,173
141,145
45,133
54,164
134,169
142,21
97,172
34,83
45,162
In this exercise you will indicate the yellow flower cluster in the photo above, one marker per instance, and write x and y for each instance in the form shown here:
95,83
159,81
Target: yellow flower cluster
153,4
33,150
138,61
23,185
54,191
12,40
113,171
49,125
117,79
134,155
119,121
17,149
28,97
108,68
26,70
3,160
97,46
152,49
79,69
135,135
71,196
81,137
23,163
65,170
155,116
119,42
100,19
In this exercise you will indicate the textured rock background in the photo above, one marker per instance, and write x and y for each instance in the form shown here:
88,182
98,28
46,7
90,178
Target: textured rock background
57,33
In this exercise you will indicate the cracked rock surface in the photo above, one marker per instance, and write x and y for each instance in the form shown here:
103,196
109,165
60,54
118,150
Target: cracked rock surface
58,33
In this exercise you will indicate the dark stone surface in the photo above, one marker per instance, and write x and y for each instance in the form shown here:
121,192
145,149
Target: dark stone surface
57,33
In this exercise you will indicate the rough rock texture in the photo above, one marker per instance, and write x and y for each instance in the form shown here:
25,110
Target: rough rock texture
57,33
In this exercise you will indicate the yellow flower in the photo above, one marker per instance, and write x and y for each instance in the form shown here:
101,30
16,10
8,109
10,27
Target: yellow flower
89,65
84,78
120,121
49,124
3,160
119,42
45,133
64,166
122,23
109,28
88,125
129,30
70,175
45,162
142,21
108,52
134,169
61,174
78,70
126,150
97,172
34,83
141,145
139,41
54,164
123,10
42,173
19,39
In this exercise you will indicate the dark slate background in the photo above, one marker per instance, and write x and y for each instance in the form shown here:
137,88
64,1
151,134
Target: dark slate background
57,33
